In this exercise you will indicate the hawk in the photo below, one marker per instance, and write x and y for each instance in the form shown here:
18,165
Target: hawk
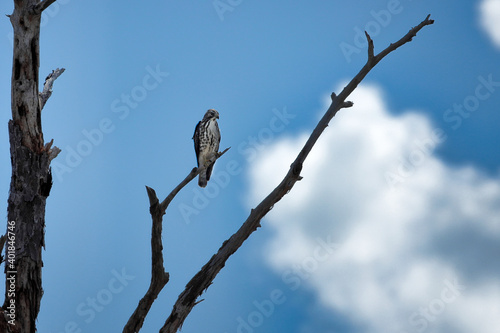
206,144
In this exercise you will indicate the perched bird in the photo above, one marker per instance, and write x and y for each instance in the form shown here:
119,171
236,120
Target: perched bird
206,144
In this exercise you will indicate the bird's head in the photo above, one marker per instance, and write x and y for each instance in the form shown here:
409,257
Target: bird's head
212,114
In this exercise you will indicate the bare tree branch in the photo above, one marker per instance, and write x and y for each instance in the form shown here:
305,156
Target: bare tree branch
195,172
47,86
43,97
204,278
159,277
41,6
338,102
370,47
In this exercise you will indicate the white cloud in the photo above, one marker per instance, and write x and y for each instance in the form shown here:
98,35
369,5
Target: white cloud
490,19
403,242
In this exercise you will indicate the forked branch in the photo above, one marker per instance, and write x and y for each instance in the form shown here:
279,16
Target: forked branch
204,278
159,277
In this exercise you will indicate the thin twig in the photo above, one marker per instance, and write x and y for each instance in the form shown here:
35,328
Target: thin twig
204,278
195,172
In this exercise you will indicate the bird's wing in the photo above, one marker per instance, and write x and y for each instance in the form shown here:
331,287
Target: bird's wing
217,134
196,138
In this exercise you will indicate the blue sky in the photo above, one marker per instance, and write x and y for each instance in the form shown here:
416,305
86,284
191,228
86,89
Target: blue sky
395,226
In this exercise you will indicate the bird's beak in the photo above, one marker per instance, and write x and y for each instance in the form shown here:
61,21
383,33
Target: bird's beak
217,117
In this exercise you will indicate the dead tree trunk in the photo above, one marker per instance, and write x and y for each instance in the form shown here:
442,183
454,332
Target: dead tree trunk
31,177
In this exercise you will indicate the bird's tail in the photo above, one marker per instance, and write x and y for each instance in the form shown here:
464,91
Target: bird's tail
202,179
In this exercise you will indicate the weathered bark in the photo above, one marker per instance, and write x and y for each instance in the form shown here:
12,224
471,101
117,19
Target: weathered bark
31,177
30,185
